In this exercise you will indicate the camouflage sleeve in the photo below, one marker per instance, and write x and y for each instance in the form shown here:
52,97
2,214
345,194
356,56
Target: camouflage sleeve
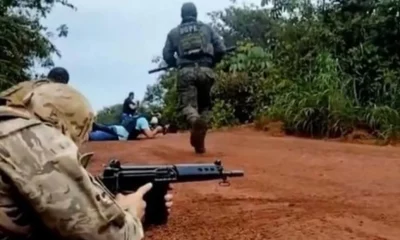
22,88
217,42
169,50
45,169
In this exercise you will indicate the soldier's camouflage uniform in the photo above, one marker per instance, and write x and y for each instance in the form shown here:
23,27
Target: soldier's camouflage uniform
195,73
194,88
16,93
45,192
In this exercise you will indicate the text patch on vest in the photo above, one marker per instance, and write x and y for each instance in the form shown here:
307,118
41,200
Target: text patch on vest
192,41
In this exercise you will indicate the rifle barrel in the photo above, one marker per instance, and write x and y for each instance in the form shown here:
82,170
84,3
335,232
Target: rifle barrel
234,173
229,49
157,70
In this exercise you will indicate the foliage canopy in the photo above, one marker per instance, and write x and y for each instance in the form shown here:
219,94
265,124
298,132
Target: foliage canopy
324,69
24,40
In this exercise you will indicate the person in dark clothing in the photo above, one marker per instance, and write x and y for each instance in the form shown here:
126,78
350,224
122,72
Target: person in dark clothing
58,74
128,108
198,48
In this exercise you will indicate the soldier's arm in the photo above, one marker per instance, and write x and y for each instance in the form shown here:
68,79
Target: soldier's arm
169,50
218,44
44,167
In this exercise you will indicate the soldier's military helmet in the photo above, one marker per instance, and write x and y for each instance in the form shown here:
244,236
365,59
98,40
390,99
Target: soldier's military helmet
63,107
188,10
58,74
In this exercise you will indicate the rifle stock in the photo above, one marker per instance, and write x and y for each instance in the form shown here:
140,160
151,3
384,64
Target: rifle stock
228,50
128,178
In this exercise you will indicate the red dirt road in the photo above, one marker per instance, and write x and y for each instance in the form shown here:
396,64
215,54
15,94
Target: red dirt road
292,189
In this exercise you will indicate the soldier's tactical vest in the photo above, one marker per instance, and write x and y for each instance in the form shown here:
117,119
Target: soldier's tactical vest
15,94
193,41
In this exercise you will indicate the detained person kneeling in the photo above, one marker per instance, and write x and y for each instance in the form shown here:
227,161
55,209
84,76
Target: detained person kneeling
130,130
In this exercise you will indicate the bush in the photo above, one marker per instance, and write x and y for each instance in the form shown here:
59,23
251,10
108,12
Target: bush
110,115
323,69
223,114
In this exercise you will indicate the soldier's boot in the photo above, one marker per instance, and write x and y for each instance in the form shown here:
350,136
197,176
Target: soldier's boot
198,134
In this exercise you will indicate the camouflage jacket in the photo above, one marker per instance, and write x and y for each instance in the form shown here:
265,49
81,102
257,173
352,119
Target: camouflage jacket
16,93
46,192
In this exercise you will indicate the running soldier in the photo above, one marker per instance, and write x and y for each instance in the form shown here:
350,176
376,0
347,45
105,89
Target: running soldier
198,48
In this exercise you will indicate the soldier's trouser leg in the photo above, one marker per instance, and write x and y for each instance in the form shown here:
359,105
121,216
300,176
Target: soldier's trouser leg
188,98
187,93
204,99
204,83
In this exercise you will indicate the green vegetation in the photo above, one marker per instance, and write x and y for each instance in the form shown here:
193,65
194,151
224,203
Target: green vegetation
323,69
24,41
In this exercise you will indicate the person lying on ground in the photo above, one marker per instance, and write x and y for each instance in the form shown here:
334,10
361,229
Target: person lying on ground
135,126
156,121
102,132
139,125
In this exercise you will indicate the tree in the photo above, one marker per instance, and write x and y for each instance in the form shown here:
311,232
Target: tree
24,41
323,68
110,115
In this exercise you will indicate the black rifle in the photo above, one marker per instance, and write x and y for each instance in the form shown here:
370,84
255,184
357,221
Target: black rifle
128,178
229,49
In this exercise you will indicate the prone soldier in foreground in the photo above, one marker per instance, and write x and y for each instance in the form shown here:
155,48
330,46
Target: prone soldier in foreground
44,189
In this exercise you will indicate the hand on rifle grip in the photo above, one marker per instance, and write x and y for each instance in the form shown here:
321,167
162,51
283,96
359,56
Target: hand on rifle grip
169,199
134,202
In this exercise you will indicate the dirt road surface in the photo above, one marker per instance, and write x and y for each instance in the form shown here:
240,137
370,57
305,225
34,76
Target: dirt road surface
293,188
